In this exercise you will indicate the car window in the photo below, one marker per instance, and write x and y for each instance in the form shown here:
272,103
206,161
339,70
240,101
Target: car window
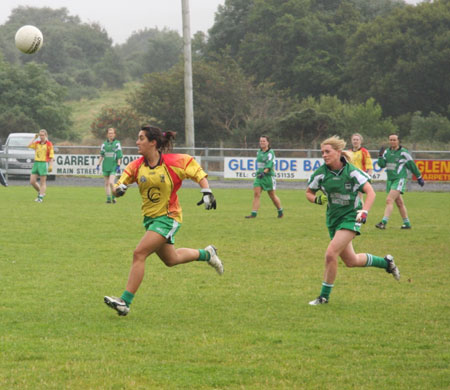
19,141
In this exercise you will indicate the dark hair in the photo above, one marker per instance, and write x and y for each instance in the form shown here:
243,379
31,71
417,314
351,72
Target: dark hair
164,139
267,138
398,137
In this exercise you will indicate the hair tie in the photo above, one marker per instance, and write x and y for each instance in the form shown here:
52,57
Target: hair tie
164,133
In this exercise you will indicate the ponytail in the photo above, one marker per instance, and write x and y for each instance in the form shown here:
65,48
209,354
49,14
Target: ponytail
164,139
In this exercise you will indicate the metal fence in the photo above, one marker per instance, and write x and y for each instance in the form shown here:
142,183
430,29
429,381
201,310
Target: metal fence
212,159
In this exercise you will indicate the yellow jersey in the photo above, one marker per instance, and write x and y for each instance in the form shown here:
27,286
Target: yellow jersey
159,185
361,159
43,152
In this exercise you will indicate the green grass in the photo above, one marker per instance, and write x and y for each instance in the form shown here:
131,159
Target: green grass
191,329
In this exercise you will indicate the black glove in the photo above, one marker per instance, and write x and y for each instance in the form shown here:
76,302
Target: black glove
260,175
381,152
421,181
208,199
120,190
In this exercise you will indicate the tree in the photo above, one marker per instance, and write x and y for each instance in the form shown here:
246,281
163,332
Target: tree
151,50
296,44
306,126
124,119
71,49
317,118
30,99
401,60
221,99
435,127
111,69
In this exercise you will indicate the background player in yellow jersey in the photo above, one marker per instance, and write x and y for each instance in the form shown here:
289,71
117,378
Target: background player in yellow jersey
43,161
360,157
159,176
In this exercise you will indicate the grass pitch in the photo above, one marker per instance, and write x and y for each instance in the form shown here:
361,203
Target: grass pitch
188,328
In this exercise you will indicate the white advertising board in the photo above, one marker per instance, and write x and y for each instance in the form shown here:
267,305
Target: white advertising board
285,168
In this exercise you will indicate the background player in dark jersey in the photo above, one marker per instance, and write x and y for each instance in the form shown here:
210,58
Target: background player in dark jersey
398,162
110,160
265,177
340,183
159,176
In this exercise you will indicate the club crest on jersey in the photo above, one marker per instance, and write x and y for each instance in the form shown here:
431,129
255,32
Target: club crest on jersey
163,178
142,179
348,186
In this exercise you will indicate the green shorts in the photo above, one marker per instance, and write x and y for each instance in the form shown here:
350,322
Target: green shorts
267,183
39,168
398,185
348,224
164,225
109,173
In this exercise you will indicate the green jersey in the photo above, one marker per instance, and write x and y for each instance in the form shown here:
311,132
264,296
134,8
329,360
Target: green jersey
265,160
341,187
397,163
111,153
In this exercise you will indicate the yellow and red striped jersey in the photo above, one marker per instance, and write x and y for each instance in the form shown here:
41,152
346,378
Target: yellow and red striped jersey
361,159
43,152
159,185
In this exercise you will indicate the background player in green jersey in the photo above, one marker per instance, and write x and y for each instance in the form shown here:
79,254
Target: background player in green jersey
340,182
397,161
265,178
110,160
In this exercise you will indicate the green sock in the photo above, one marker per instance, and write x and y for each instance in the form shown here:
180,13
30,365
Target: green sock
406,221
254,213
203,255
376,261
108,197
280,211
385,220
326,290
127,297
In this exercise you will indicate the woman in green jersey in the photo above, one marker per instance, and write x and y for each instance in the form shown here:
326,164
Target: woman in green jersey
397,162
265,177
340,183
110,160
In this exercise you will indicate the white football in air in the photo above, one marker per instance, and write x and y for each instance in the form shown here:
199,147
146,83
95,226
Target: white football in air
29,39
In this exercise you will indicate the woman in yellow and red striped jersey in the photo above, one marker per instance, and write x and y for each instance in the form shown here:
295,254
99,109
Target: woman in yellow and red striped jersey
159,176
360,157
43,160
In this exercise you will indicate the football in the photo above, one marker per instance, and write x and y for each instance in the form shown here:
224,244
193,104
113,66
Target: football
29,39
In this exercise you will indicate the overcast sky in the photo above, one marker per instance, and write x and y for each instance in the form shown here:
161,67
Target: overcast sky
121,18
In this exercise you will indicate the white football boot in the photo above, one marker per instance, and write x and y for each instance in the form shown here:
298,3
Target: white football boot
118,304
392,268
214,261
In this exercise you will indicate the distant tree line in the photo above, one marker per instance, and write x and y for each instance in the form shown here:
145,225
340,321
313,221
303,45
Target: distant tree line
296,70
